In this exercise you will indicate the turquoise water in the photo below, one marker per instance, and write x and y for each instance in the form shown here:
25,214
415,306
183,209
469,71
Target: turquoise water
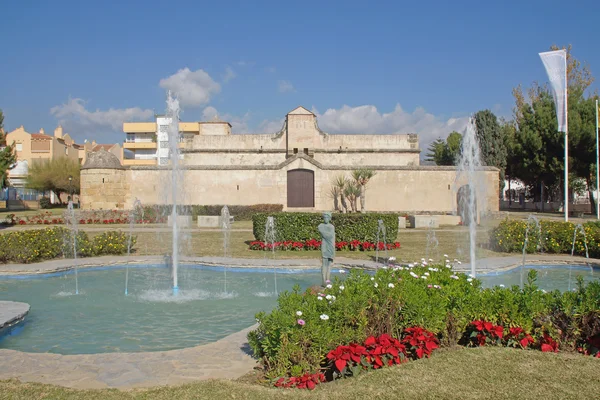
550,277
102,319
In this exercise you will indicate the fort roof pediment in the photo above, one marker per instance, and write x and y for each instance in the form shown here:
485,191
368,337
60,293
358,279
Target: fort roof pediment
300,111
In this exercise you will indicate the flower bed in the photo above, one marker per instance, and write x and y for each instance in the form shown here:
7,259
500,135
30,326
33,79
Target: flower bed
405,312
35,245
313,244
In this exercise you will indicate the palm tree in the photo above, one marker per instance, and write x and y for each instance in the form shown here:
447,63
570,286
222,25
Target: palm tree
335,193
361,177
352,192
340,183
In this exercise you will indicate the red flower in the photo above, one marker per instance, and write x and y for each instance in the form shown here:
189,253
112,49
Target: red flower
547,344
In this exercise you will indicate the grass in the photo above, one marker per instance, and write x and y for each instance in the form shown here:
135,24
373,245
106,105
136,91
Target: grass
481,373
453,242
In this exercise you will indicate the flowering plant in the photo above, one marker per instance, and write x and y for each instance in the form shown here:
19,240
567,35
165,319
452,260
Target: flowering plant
547,344
306,381
313,244
518,338
484,332
420,342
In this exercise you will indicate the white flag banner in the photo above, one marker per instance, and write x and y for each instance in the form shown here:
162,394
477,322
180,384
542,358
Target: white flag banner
555,63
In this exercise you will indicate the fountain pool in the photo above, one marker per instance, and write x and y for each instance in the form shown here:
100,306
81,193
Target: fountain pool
549,277
101,319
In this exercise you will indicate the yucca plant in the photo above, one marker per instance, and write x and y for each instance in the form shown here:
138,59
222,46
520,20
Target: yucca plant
362,177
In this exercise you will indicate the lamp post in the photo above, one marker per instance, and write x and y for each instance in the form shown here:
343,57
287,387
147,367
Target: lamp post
71,187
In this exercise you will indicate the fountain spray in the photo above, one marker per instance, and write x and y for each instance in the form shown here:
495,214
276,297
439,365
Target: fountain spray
173,130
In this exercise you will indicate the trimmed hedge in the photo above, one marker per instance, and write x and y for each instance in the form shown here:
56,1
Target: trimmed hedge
556,237
296,226
45,244
159,212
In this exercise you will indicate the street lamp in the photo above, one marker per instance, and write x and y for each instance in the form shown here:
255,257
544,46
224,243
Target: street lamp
71,187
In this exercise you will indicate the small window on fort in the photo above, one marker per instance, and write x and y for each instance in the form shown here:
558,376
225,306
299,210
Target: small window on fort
306,150
19,146
295,151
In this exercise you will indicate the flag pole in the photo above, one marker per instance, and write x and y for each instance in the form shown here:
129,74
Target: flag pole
597,167
566,145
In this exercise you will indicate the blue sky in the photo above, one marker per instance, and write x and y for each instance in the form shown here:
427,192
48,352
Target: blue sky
378,67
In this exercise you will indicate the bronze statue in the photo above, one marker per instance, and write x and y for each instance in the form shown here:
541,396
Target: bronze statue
327,231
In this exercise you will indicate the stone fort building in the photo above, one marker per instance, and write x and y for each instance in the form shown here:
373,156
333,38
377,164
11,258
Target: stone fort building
295,167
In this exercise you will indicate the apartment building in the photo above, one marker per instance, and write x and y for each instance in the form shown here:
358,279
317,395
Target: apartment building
147,143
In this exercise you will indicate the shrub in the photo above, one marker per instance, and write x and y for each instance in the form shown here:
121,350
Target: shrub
45,203
556,237
292,226
35,245
423,306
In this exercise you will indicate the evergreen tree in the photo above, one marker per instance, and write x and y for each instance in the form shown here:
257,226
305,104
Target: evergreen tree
8,157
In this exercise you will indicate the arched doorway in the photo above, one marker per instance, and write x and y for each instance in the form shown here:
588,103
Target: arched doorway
463,205
300,188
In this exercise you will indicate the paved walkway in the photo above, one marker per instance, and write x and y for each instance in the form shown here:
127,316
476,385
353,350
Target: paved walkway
227,358
12,312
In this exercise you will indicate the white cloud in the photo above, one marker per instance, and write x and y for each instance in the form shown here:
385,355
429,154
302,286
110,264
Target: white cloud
238,124
367,119
192,88
285,86
82,123
271,70
229,74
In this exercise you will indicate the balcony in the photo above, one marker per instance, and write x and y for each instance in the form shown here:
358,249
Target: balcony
139,145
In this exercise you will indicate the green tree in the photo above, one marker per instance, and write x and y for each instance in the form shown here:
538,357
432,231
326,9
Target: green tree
491,142
362,177
53,175
538,146
8,157
445,152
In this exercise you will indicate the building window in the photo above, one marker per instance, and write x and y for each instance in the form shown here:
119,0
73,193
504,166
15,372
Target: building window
295,150
306,150
66,150
19,146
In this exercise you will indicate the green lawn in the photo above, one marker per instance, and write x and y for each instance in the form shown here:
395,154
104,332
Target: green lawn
482,373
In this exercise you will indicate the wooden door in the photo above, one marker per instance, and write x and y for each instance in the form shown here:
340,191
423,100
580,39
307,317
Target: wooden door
300,188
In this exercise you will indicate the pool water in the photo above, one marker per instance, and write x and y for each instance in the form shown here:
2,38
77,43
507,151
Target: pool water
549,277
102,319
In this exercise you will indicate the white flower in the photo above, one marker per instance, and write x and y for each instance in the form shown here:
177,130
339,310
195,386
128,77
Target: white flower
324,317
332,297
299,313
372,278
392,259
423,277
426,274
501,285
342,271
422,259
390,285
342,287
471,276
448,266
411,265
319,298
453,276
400,268
424,263
376,285
446,255
455,260
469,279
328,297
459,262
437,286
431,260
329,286
413,274
384,267
543,291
